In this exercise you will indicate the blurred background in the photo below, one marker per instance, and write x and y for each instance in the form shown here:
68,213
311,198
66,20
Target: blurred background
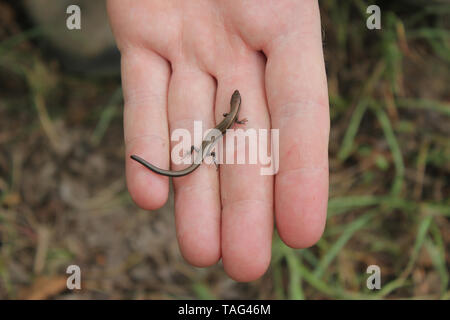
63,198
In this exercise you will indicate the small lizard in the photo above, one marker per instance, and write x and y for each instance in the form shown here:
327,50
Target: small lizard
207,143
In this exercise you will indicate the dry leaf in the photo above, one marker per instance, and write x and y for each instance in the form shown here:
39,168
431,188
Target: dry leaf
44,288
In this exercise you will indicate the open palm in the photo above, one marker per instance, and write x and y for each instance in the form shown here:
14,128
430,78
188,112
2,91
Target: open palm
181,61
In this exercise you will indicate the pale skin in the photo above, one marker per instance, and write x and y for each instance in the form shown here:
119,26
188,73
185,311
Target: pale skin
181,61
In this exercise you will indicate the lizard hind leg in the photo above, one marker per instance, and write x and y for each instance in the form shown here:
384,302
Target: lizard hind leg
190,152
213,155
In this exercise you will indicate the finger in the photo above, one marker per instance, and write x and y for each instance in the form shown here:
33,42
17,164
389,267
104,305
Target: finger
247,207
298,103
197,202
145,77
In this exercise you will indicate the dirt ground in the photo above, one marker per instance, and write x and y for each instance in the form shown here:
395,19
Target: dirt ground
63,198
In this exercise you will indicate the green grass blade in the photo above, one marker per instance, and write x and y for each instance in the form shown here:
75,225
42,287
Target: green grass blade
340,243
295,277
106,117
438,106
422,231
395,150
349,137
202,291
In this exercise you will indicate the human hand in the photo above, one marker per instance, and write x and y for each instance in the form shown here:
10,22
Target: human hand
182,58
